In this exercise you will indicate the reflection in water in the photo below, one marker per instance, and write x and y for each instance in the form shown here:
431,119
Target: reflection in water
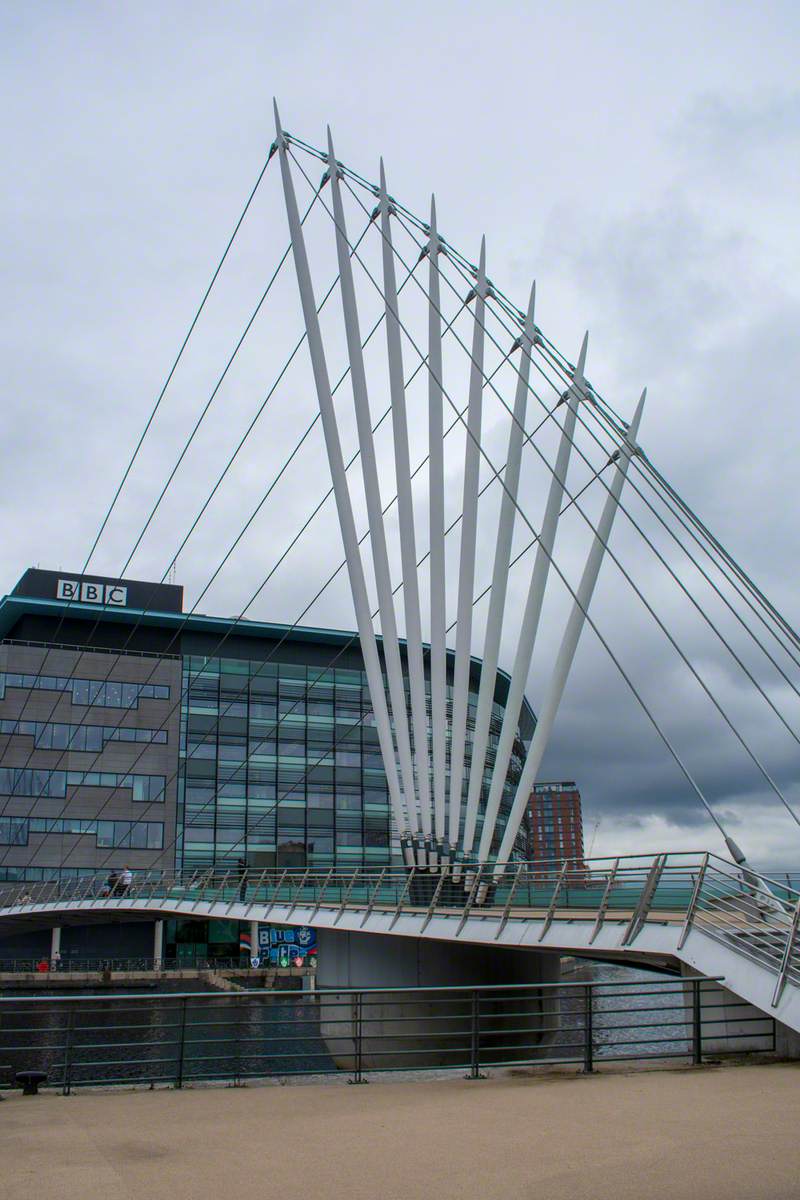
642,1021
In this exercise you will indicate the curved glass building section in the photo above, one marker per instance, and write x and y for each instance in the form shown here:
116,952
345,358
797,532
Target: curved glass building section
132,733
281,765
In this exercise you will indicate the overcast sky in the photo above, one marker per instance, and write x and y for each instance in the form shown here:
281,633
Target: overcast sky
640,161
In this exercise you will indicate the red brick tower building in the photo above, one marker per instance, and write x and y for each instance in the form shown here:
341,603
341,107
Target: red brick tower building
556,825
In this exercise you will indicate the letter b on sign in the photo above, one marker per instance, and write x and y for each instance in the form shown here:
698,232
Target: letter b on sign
67,589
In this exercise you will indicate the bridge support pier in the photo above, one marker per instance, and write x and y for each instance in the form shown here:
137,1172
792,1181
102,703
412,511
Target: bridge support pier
730,1025
396,1030
158,944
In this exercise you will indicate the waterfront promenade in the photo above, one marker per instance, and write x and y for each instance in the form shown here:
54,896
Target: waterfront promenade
720,1133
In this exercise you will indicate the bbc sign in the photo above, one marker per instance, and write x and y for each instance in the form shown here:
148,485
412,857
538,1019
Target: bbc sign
92,593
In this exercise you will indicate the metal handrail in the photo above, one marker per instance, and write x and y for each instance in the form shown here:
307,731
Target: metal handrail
177,1037
704,892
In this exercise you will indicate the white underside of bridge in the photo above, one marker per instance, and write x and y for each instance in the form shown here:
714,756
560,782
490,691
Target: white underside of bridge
656,943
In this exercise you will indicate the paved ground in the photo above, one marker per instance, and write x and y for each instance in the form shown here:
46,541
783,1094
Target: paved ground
714,1134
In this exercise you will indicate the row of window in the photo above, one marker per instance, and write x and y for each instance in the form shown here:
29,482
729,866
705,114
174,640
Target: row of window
101,693
57,735
128,835
36,782
29,874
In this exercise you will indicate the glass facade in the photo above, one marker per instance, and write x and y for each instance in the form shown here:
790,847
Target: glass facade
144,835
156,760
280,766
98,693
37,782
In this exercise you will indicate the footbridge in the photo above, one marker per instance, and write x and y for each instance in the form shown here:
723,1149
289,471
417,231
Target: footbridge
468,462
693,913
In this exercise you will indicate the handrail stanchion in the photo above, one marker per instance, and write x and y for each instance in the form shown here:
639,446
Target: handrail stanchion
511,893
256,886
604,903
473,891
297,892
687,924
67,1075
446,868
475,1037
786,960
182,1050
403,895
548,919
588,1030
358,1021
697,1023
645,900
202,883
320,897
276,893
347,893
220,892
371,901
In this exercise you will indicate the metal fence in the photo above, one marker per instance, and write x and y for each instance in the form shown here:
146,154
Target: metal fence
68,964
181,1038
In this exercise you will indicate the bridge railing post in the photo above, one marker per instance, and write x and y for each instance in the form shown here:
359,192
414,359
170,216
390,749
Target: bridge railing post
786,959
588,1029
475,1037
697,1023
358,1022
68,1042
182,1046
692,909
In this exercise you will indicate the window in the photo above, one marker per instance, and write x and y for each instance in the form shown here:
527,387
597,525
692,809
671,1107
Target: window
13,831
100,693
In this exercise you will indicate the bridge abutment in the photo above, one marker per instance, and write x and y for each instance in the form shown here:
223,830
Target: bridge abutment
397,1029
732,1025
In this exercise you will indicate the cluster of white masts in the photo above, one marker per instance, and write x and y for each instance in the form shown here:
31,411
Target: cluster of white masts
426,807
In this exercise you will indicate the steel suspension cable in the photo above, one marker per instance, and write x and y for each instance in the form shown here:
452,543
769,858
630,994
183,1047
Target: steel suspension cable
167,382
683,588
141,615
230,551
527,522
31,689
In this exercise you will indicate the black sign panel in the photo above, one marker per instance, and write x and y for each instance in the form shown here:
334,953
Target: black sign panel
100,590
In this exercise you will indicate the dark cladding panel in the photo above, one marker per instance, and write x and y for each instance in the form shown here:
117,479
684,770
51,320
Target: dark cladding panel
101,590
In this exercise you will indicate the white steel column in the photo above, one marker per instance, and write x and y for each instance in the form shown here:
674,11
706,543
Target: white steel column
438,667
369,647
405,510
499,585
55,944
533,609
466,571
372,492
569,643
158,945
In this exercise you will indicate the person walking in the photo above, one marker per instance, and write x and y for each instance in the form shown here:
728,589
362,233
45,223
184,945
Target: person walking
125,880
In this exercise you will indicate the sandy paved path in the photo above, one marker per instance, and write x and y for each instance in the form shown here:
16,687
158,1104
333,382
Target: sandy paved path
718,1134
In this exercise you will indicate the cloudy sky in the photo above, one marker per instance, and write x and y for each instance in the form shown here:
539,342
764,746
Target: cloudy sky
640,161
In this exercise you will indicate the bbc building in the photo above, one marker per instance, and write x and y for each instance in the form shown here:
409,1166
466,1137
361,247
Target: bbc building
133,734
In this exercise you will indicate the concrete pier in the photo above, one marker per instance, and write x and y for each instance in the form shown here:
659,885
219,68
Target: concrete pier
395,1030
